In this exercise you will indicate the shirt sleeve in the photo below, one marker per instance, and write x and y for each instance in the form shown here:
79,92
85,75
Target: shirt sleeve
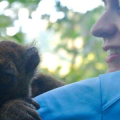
77,101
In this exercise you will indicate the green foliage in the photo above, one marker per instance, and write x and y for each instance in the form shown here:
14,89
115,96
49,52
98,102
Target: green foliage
72,27
19,37
5,21
24,1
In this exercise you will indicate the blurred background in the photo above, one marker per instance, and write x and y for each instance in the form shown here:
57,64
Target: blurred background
61,31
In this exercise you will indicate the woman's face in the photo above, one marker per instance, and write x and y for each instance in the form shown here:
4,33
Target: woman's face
108,27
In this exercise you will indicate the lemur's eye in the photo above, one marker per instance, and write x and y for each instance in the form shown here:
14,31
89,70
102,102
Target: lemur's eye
5,79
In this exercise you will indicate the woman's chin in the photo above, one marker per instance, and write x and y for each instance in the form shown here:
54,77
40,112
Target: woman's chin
113,66
112,70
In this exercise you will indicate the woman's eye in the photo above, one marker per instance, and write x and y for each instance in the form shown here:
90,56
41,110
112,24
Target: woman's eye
118,10
118,6
6,79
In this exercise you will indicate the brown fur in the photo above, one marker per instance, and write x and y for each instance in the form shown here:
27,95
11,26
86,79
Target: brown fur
17,67
43,83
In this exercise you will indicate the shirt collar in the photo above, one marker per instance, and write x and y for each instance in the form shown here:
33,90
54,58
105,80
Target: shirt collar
110,88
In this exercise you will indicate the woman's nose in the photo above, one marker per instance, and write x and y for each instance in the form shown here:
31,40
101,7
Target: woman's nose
104,28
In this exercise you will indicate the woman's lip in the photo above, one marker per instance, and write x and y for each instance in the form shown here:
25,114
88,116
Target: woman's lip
113,57
105,48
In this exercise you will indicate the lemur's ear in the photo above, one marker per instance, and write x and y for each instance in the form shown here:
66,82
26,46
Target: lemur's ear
32,59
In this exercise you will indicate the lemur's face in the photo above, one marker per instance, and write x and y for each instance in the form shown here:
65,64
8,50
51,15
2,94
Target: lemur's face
17,67
11,62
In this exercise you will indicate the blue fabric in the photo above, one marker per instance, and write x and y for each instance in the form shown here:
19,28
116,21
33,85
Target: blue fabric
91,99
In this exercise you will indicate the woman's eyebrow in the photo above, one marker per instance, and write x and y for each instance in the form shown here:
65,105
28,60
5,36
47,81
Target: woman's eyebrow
104,1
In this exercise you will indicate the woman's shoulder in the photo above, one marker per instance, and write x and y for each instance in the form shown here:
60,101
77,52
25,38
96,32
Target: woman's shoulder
81,100
74,101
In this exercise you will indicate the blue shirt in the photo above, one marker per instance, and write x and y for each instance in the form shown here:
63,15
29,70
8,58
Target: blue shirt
91,99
